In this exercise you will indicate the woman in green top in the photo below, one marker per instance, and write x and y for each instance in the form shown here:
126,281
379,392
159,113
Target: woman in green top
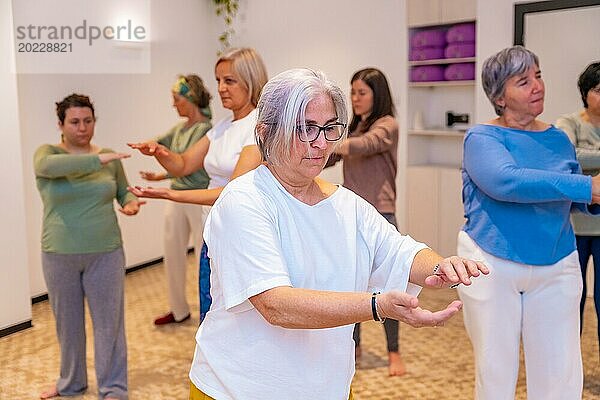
191,100
82,253
583,129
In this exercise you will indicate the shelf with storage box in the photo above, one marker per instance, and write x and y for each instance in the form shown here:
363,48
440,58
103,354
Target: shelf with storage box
441,83
442,53
443,61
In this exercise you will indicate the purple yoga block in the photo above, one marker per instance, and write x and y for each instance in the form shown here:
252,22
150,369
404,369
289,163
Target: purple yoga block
427,73
459,50
460,72
428,38
426,53
461,33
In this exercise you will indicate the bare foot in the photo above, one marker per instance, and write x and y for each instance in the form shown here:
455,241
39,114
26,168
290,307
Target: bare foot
357,353
395,365
49,393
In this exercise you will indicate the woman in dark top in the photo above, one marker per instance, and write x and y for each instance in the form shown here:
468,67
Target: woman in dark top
370,159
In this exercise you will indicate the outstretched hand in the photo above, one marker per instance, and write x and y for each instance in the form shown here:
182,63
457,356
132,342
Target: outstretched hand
153,176
150,148
105,158
455,270
132,207
403,307
150,192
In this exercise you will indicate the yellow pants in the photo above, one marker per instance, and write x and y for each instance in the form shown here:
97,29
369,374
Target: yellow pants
196,394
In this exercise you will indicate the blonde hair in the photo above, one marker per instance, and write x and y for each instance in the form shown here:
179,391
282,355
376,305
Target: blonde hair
249,67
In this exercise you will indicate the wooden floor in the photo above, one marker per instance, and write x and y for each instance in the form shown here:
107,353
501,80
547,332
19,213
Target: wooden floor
439,360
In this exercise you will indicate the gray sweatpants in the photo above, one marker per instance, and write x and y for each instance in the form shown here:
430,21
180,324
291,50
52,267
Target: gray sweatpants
100,278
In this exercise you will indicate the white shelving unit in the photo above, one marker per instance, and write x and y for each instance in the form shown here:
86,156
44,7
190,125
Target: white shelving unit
434,153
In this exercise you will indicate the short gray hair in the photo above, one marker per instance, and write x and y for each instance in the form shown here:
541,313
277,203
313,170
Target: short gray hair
282,107
502,66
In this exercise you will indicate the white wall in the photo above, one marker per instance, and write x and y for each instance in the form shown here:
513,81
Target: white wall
564,54
337,37
564,51
499,15
15,306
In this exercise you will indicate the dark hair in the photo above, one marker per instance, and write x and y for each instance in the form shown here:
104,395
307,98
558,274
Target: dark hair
199,94
589,79
73,100
382,98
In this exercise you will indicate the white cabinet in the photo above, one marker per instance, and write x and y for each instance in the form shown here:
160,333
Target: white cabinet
422,193
451,210
433,12
435,211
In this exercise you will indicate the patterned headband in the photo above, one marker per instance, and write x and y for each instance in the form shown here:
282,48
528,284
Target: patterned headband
182,88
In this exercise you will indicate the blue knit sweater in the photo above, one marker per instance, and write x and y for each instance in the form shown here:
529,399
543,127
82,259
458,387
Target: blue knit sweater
518,190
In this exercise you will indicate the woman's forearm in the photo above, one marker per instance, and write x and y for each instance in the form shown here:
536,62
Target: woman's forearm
296,308
423,266
51,165
206,197
172,162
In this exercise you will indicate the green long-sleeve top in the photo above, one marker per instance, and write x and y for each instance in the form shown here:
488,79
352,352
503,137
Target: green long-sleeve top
178,139
77,192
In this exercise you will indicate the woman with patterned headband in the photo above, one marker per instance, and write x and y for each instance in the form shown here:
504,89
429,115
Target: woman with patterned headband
191,100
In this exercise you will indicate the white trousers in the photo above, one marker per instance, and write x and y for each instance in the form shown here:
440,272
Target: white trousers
538,304
181,221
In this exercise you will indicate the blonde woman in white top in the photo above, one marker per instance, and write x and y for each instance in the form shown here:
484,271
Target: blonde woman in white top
228,150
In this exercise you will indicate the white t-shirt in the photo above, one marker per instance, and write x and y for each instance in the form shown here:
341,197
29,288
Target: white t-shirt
260,237
227,138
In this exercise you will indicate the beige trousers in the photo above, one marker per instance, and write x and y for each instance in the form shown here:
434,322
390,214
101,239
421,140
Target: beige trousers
182,221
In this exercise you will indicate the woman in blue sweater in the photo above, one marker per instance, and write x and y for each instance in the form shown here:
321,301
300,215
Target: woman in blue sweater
521,179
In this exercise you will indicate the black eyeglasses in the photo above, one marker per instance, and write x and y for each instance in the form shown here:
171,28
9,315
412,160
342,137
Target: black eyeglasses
310,132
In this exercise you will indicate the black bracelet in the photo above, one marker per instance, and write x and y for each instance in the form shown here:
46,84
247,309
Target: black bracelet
374,307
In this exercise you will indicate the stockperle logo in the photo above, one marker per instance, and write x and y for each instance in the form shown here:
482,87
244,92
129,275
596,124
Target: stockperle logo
82,36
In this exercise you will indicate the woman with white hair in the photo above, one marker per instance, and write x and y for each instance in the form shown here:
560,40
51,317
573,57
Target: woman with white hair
521,180
298,260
